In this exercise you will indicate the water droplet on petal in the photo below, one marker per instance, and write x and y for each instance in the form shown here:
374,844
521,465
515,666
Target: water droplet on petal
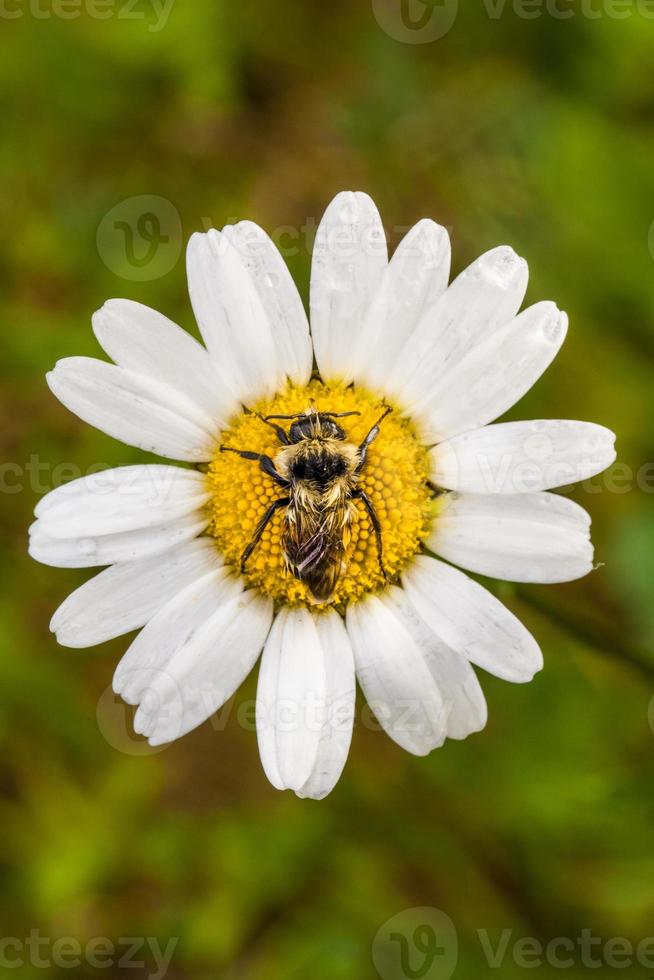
553,328
87,546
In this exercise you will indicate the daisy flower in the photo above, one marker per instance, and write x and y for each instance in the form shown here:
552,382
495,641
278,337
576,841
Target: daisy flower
417,369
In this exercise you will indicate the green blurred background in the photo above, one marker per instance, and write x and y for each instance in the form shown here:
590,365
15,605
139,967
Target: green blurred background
535,132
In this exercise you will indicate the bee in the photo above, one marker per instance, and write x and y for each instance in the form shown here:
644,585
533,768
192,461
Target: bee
319,471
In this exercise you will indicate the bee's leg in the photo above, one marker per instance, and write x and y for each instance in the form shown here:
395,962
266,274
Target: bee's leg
282,434
261,527
376,526
265,462
372,435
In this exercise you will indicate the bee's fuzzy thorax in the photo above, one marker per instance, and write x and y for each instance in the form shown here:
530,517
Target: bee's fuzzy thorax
311,452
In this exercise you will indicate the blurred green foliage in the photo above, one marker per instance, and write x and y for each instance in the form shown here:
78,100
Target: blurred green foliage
533,132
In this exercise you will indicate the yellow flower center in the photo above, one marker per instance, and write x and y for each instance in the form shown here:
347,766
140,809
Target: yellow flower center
394,478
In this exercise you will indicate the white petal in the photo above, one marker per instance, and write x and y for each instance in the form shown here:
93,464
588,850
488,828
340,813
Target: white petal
467,711
124,597
485,296
349,258
135,409
415,278
171,628
205,672
336,733
535,537
292,683
88,551
305,702
122,499
231,318
471,621
463,698
521,457
395,677
279,298
494,375
146,342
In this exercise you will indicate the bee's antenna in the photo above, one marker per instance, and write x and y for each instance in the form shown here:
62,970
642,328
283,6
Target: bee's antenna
339,415
298,415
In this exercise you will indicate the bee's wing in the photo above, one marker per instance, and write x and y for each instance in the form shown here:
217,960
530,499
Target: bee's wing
314,547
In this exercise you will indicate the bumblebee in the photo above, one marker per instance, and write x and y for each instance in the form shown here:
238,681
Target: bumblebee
319,471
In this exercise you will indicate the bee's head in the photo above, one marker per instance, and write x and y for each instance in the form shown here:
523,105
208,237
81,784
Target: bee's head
315,425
